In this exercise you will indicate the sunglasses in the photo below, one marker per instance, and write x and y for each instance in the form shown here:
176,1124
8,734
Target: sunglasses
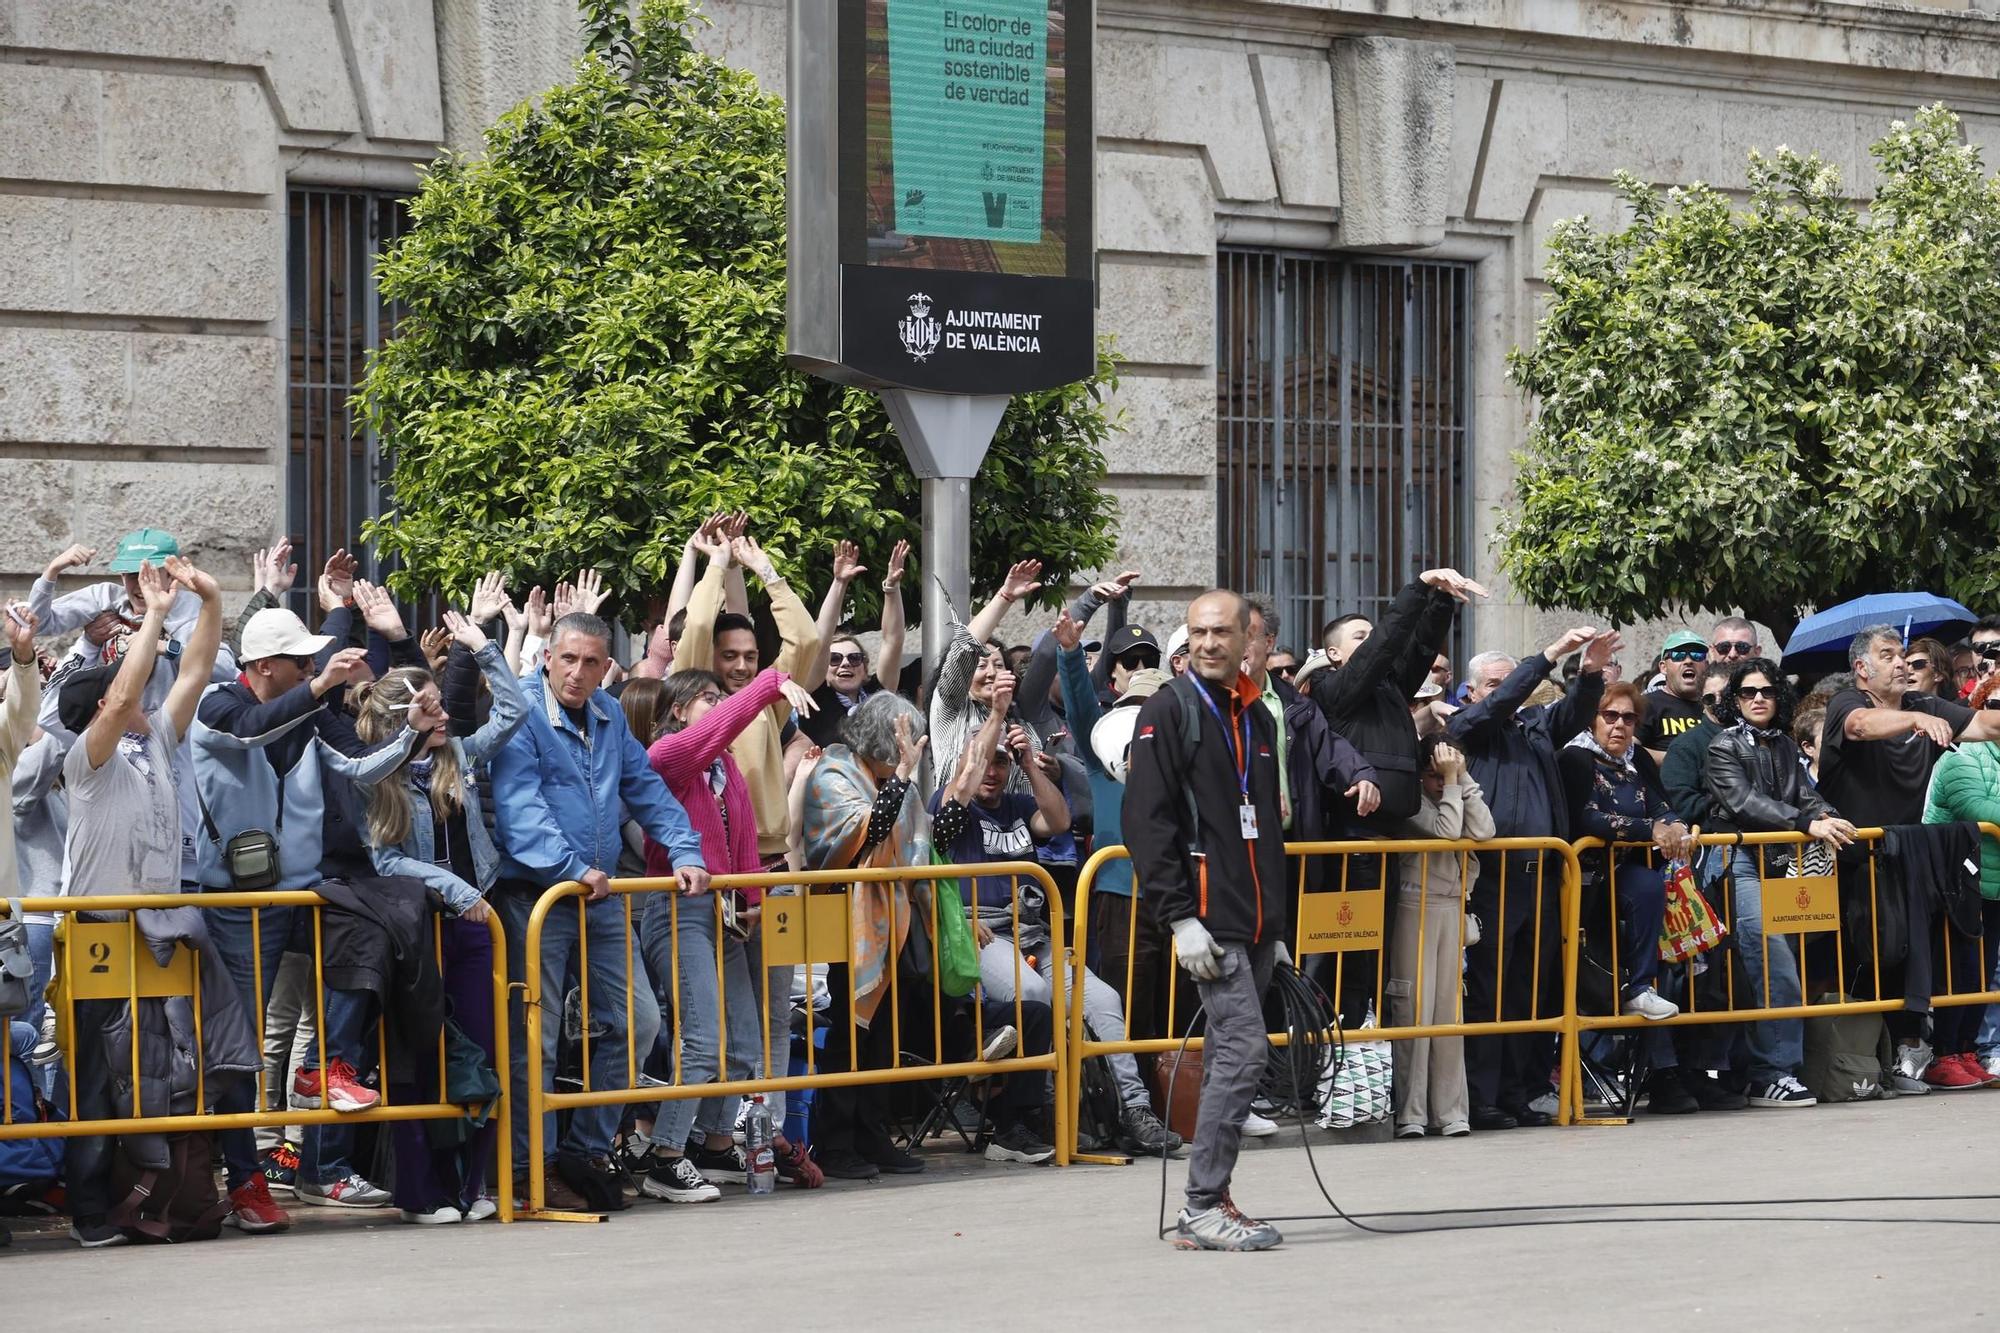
1757,692
1732,648
1139,660
1686,654
847,659
1612,717
1712,700
1989,651
1287,671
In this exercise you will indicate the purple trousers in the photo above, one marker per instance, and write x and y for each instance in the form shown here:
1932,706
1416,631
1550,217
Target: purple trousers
431,1174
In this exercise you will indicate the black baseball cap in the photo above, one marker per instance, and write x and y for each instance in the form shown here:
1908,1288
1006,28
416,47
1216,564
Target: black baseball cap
80,693
1126,638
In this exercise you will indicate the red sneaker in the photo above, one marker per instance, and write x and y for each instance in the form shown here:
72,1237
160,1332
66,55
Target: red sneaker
1969,1062
251,1210
345,1089
795,1165
1948,1074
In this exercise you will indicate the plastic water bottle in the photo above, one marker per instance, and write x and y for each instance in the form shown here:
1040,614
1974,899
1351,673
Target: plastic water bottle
763,1176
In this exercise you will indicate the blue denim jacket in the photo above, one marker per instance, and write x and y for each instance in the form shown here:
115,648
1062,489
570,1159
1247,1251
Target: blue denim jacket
416,856
562,794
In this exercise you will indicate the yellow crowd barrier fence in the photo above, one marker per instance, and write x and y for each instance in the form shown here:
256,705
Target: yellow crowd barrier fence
1345,895
1827,920
806,919
102,956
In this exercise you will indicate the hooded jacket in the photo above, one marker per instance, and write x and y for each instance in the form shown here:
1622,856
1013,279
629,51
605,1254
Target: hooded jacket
1181,818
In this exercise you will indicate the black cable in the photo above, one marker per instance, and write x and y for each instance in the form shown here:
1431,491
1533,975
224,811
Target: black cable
1314,1047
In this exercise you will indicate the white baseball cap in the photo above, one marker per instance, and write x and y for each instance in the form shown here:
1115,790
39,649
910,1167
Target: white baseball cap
1177,643
276,632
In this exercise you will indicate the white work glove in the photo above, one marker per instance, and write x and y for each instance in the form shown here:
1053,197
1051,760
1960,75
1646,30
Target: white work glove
1283,955
1197,950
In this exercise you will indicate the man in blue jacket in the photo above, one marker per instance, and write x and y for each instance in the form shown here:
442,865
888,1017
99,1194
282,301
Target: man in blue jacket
1511,751
563,787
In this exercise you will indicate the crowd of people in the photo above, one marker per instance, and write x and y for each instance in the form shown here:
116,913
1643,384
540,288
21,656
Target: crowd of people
421,783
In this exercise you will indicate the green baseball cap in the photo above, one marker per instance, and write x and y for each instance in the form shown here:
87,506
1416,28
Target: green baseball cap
145,544
1683,638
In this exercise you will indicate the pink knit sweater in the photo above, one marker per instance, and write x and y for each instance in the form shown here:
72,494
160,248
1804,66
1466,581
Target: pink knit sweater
683,758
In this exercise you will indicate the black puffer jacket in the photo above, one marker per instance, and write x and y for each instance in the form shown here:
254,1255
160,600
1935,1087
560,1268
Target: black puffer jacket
1759,788
1368,699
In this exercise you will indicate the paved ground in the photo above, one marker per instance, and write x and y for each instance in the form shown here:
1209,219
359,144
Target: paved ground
1038,1245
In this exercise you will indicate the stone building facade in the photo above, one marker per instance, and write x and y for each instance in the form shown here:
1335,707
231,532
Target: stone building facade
1320,227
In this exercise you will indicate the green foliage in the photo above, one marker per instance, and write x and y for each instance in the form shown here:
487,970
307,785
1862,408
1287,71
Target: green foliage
592,356
1772,408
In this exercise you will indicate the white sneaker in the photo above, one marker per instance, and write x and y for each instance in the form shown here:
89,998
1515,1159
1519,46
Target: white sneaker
1457,1129
1257,1127
481,1209
1783,1094
1650,1004
1991,1064
1410,1131
1546,1104
442,1215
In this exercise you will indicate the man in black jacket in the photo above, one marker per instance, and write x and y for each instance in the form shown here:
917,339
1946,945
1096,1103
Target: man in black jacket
1512,754
1204,822
1374,674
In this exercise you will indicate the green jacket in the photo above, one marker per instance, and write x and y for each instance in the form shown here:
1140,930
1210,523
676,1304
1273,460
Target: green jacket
1966,785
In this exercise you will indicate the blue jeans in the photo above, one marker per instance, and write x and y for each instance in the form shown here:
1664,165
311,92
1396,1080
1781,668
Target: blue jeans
1642,908
323,1149
590,1127
1777,1046
1988,1044
687,954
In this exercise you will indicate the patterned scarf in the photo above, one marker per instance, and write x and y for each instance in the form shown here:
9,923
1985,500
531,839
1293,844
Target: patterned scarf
839,798
1583,740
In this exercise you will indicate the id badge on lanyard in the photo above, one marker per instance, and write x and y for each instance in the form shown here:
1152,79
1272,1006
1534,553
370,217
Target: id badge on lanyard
1247,816
1246,813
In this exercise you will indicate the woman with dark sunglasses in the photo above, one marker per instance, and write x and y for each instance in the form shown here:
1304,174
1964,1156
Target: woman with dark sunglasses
1758,783
1615,794
1930,669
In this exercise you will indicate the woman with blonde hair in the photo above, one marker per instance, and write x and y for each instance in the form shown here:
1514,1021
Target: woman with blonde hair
424,822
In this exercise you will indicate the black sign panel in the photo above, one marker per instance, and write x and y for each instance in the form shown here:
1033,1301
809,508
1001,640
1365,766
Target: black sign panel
940,193
964,332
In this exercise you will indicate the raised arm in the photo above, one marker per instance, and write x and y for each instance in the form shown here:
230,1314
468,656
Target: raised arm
510,705
696,650
889,661
123,700
24,684
198,653
59,615
1051,808
847,567
1023,580
798,638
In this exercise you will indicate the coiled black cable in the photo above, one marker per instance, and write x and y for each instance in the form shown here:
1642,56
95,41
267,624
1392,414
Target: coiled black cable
1314,1050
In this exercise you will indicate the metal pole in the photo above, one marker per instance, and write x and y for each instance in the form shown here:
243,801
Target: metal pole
947,558
945,436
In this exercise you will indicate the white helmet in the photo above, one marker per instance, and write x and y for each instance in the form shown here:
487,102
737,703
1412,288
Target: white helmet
1111,739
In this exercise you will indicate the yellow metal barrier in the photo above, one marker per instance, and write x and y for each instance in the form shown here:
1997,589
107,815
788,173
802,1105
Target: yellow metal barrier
1342,920
1794,908
808,926
98,960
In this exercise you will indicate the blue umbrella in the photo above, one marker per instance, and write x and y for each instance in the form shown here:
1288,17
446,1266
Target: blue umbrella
1912,613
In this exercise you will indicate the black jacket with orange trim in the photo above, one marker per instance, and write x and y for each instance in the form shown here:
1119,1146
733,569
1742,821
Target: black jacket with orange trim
1182,820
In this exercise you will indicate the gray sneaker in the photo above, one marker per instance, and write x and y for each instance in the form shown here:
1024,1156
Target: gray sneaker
352,1191
1223,1227
1906,1076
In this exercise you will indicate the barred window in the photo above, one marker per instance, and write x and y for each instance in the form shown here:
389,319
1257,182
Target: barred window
1343,424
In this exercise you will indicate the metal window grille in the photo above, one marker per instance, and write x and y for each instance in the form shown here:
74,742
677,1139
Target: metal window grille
333,477
1343,422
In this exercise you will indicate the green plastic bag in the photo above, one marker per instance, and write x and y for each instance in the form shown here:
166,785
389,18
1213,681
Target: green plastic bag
957,952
